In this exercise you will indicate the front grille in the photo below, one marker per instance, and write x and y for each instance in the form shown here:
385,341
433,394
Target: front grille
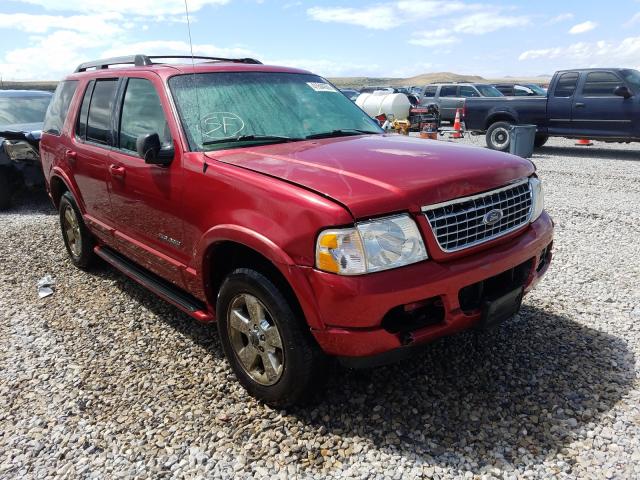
466,222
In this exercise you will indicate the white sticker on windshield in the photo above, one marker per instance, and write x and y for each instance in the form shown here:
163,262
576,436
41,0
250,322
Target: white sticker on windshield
321,87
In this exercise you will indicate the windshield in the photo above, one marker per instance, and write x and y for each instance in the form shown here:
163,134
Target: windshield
489,91
250,107
632,77
23,109
536,89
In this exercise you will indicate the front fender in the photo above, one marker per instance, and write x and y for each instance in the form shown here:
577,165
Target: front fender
294,274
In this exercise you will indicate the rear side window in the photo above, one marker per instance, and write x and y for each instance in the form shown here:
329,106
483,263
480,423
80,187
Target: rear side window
430,92
59,107
448,91
566,85
466,91
81,125
600,84
100,108
141,114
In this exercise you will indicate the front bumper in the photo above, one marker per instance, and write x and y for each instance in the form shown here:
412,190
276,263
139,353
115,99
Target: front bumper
354,308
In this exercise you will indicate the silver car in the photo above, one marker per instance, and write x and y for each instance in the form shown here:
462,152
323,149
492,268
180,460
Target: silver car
450,96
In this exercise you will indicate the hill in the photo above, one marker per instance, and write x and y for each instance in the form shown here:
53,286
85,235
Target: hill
39,85
430,78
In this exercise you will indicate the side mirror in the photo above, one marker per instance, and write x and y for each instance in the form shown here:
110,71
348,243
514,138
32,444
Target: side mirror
622,91
149,148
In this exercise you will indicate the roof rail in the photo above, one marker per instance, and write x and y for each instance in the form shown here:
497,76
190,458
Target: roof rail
145,60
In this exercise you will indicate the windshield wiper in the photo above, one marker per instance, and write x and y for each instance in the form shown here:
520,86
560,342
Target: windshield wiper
250,138
340,133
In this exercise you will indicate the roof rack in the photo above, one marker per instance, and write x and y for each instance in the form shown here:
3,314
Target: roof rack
145,60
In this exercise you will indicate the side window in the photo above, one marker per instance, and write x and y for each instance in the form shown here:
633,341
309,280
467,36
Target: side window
448,90
99,118
520,91
600,84
59,107
430,92
467,91
141,114
566,85
81,124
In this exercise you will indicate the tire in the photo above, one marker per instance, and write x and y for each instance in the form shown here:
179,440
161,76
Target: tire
298,366
540,140
77,238
5,191
499,136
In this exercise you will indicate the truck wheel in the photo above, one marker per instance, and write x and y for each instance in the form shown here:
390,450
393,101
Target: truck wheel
499,136
270,350
5,191
77,237
540,140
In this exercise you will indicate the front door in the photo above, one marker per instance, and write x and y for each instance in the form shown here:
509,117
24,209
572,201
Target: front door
597,112
146,199
560,103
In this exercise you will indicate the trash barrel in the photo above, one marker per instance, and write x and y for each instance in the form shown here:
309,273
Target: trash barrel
522,140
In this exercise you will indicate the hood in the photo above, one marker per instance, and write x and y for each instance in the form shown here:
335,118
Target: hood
378,174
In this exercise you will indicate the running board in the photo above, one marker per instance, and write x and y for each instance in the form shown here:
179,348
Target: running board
181,299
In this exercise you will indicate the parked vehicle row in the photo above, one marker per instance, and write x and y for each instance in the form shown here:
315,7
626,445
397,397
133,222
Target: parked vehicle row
595,103
288,217
21,115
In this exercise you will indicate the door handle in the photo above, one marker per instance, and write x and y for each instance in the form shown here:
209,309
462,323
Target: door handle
580,105
71,156
117,171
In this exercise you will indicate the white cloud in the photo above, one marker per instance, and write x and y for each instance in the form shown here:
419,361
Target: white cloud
168,47
389,15
583,27
485,22
377,17
591,54
635,19
103,22
474,24
138,7
563,17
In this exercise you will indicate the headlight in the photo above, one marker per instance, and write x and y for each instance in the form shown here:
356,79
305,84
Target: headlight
371,246
537,198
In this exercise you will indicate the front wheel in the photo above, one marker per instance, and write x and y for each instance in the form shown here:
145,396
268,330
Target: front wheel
499,136
269,348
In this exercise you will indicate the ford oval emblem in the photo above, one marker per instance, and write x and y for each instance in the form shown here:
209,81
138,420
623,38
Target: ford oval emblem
492,217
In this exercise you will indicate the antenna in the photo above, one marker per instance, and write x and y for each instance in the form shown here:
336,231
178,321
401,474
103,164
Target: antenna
193,64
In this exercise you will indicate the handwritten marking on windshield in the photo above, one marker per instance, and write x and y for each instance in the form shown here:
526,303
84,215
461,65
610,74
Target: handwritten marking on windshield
222,124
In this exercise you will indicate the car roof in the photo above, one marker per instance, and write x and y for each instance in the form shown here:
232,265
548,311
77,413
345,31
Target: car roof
598,69
24,93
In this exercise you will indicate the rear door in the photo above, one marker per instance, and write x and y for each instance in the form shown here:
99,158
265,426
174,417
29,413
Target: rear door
449,101
560,103
91,143
146,199
597,111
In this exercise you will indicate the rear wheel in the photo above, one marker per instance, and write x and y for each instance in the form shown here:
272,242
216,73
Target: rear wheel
269,348
77,237
540,140
5,191
499,136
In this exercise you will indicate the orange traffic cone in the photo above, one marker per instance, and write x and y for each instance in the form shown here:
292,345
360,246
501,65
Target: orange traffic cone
584,142
457,128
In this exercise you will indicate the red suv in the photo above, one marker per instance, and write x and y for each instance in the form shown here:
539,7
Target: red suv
260,197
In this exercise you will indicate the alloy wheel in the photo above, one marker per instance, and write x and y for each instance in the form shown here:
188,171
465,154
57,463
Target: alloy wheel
255,339
72,231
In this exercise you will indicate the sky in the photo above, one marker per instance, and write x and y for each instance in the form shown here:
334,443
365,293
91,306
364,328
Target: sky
47,39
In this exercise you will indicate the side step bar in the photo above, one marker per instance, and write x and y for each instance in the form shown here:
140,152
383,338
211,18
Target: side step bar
181,299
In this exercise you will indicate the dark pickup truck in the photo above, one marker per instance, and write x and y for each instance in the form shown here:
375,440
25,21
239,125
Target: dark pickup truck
595,103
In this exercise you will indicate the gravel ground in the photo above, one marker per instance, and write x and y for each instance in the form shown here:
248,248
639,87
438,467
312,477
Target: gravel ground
104,380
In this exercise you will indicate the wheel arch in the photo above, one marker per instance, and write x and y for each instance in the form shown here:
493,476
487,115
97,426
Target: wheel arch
500,117
227,247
